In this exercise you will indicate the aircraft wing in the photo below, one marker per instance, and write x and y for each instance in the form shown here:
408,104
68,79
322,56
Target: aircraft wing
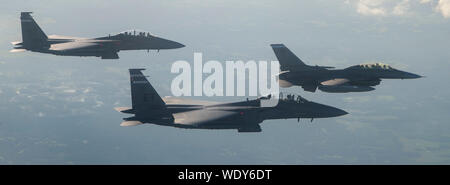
63,37
176,100
327,83
83,44
75,46
342,85
203,116
336,81
17,50
356,82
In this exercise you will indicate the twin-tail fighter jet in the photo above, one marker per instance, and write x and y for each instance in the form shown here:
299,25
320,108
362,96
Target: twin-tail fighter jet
34,39
245,116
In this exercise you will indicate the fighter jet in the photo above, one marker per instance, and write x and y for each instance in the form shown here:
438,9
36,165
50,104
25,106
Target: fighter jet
357,78
34,39
245,116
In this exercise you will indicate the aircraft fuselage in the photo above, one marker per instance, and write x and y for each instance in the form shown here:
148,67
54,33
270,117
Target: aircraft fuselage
249,112
302,77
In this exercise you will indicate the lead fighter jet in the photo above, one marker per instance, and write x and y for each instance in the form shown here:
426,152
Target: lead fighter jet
34,39
245,116
358,78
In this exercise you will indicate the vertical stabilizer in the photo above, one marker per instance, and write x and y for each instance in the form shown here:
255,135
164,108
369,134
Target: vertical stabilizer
144,99
287,59
32,35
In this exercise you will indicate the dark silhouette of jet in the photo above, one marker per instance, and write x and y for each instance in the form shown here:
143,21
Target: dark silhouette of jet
34,39
358,78
245,116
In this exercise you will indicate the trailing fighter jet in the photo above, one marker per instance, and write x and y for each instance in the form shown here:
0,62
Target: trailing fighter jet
34,39
245,116
358,78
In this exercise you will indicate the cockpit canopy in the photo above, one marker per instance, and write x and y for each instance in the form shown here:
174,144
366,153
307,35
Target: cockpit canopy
288,98
135,33
373,66
292,98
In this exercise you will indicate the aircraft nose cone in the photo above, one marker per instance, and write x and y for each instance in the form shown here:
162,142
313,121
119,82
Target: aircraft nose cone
329,111
407,75
338,112
318,110
413,76
178,45
167,44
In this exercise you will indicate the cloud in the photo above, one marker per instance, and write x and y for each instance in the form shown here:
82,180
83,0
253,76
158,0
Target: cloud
365,99
70,91
87,90
401,8
444,8
386,98
370,7
40,114
98,103
383,8
352,124
357,99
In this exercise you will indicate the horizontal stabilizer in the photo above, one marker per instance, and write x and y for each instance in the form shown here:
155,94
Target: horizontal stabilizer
130,123
126,110
120,109
16,43
17,50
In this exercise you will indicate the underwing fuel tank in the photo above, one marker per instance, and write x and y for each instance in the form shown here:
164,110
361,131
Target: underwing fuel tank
345,88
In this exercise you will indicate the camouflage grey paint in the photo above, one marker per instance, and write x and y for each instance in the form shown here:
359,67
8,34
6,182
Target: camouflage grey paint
245,116
358,78
34,39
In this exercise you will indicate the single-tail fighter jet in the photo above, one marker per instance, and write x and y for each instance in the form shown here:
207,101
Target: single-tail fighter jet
358,78
245,116
34,39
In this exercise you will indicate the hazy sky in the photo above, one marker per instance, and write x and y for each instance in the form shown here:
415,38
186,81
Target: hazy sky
59,110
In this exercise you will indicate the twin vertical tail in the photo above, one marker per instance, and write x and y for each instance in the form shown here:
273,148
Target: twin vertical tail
143,95
147,105
32,35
